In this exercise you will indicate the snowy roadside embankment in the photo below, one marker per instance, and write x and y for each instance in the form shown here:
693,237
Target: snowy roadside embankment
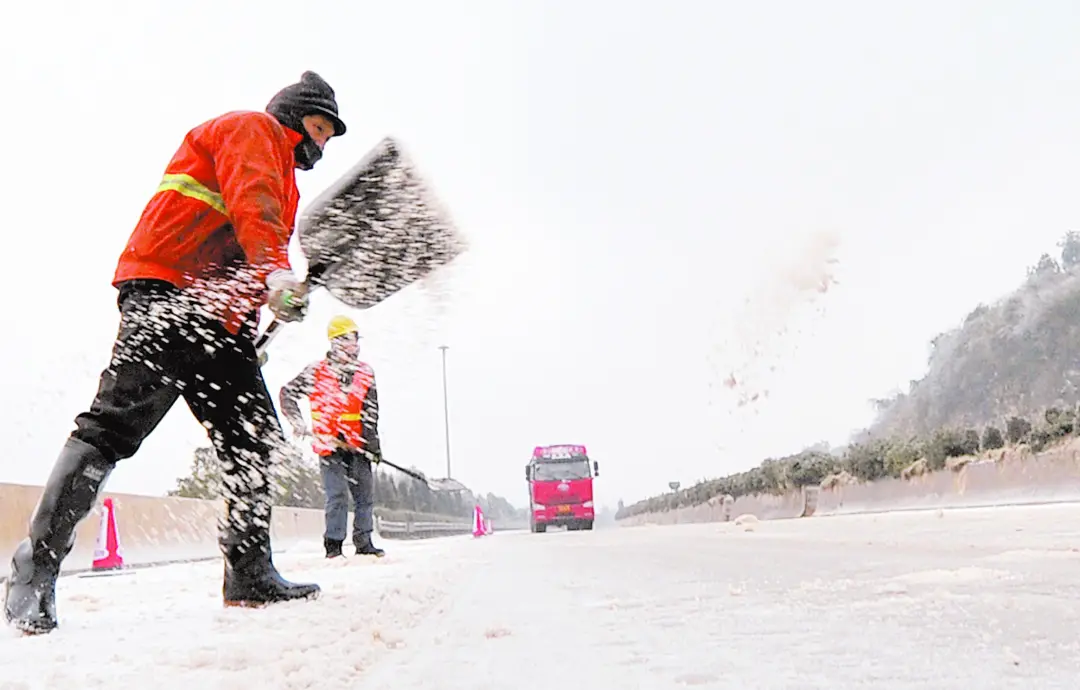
1006,478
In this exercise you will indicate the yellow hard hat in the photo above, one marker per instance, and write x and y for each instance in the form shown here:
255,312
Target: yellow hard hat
339,326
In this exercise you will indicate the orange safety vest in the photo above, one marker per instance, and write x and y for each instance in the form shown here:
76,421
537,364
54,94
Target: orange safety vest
335,412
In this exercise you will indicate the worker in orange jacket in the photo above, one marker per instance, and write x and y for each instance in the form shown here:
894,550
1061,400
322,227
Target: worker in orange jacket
210,248
344,430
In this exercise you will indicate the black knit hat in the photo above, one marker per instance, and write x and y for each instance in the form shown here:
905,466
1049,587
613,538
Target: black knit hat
310,96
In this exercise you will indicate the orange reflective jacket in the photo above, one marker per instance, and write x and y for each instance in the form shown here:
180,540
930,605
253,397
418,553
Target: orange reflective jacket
222,216
337,415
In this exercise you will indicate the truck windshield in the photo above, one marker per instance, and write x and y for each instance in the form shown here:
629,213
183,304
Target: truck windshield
555,471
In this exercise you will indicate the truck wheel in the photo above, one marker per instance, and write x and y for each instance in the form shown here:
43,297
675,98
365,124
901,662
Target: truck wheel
587,525
540,529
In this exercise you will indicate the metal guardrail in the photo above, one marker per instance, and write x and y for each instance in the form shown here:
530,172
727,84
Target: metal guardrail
420,530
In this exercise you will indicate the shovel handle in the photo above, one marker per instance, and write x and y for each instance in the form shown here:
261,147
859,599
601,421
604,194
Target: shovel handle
313,280
401,469
268,335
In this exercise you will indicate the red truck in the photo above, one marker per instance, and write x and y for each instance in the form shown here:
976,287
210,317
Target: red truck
561,487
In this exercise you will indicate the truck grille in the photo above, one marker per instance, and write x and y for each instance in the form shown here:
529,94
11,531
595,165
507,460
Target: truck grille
563,501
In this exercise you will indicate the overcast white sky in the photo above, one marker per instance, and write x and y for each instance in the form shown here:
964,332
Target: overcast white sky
644,189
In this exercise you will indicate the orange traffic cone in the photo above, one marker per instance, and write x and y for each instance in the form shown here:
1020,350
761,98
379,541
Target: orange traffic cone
478,522
108,555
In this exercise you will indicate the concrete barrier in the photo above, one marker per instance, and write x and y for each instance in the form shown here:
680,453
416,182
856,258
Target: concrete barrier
163,529
152,529
1010,476
726,508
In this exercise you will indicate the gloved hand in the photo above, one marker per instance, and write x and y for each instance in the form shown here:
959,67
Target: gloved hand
373,452
288,296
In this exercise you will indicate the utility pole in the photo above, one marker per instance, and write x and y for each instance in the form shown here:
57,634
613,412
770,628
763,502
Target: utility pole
446,409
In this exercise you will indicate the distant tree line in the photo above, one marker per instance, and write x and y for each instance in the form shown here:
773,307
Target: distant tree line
1013,358
1008,375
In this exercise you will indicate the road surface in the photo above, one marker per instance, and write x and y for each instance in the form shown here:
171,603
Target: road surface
981,598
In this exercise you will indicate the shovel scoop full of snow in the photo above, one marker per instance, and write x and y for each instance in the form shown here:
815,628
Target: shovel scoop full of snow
376,230
379,228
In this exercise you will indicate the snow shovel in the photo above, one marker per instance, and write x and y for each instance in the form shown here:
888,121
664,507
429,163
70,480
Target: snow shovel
376,230
433,484
446,484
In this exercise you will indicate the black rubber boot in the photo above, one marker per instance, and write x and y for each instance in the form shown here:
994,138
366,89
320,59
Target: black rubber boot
69,494
251,579
364,547
333,547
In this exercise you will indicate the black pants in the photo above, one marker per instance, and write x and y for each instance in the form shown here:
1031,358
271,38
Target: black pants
167,349
348,472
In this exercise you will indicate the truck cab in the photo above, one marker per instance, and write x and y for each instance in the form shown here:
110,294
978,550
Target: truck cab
560,480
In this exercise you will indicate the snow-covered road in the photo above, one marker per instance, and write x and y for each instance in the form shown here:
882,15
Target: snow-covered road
986,598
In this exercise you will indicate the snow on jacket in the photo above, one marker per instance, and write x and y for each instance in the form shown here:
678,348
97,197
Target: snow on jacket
222,216
306,384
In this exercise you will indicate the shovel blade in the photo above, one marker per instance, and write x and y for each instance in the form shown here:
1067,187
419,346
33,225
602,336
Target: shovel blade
381,226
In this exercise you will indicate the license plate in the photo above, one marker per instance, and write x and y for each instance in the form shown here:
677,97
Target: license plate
563,509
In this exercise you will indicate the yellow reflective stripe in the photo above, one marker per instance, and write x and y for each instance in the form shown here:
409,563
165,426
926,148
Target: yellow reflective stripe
347,417
190,187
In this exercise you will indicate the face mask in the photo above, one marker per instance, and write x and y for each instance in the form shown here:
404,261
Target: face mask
307,153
